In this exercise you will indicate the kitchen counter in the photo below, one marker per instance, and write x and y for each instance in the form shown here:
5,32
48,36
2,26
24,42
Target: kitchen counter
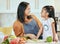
41,42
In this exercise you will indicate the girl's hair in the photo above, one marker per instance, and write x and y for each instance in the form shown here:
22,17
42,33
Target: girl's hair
50,10
52,14
20,11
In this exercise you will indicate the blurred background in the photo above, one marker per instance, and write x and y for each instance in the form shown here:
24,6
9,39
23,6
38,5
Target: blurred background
8,10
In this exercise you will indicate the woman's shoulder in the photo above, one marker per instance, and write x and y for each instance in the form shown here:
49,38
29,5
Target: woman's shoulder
17,23
33,16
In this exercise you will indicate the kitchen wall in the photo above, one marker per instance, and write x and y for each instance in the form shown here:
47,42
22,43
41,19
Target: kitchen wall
7,19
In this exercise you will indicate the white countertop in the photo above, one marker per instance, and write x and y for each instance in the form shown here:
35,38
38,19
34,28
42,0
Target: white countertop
41,42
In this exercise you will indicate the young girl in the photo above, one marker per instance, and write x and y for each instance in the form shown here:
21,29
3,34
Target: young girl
48,24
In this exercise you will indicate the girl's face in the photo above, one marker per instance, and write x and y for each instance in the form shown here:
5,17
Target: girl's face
44,13
27,10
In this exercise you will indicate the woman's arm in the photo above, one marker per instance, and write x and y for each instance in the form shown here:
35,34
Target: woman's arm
40,26
18,29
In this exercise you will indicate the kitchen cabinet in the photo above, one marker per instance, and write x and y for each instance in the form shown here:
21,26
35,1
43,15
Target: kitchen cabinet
3,5
11,5
57,5
14,4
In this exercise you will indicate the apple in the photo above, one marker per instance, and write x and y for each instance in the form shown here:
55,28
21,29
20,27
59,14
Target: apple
49,39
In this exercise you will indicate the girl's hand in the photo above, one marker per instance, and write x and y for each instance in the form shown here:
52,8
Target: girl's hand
32,36
55,38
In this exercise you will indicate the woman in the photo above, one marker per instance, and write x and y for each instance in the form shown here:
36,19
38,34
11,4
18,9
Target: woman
26,24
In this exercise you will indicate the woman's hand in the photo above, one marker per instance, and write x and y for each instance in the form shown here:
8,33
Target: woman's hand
32,36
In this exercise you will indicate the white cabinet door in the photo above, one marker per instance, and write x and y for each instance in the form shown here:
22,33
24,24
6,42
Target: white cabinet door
14,4
3,5
57,5
43,3
11,5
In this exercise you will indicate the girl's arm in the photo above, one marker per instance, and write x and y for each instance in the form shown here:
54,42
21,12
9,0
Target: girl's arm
31,36
40,32
39,24
54,32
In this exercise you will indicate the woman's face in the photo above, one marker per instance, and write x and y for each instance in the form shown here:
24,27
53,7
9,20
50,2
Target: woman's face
27,10
44,12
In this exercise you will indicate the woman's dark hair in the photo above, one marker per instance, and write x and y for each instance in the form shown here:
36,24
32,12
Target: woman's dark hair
50,10
20,11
